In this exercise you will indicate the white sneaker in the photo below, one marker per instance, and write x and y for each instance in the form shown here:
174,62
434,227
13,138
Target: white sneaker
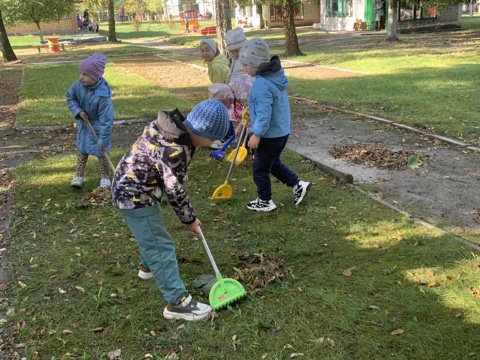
300,191
77,182
187,309
217,144
145,275
261,205
104,183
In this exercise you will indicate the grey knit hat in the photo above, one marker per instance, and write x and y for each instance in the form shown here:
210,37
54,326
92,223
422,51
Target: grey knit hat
254,52
209,119
235,38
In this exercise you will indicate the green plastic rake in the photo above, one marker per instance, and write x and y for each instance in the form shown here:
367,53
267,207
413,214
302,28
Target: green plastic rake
225,291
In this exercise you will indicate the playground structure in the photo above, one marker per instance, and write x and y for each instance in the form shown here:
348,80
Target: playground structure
192,16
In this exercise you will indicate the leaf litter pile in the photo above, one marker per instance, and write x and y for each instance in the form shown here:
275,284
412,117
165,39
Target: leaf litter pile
98,197
256,271
380,157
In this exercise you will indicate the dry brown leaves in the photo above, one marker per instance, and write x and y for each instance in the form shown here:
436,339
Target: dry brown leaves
98,197
256,271
380,157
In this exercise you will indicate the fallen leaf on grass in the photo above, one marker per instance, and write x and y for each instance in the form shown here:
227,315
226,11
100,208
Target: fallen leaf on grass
475,292
373,307
294,355
348,272
430,273
97,329
115,354
397,332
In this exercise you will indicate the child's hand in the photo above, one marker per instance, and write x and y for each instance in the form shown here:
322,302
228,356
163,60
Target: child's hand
194,227
238,131
83,115
103,150
246,113
253,142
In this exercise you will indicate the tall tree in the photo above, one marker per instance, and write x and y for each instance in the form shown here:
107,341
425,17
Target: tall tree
7,51
37,11
112,33
291,40
224,23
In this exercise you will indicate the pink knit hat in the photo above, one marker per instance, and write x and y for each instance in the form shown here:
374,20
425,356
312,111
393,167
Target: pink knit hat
94,66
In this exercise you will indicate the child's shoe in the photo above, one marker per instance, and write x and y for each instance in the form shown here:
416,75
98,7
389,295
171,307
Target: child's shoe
217,144
145,274
104,183
261,205
187,309
300,192
77,182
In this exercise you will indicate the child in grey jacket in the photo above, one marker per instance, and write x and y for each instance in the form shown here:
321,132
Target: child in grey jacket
157,165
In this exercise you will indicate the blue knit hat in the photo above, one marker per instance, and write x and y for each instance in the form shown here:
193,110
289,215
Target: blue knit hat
209,119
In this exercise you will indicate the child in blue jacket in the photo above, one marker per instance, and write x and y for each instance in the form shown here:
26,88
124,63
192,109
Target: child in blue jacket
269,111
90,99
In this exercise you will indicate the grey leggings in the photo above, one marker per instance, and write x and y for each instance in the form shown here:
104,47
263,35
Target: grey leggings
82,163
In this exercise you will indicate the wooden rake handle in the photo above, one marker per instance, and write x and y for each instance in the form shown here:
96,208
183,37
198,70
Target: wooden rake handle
96,138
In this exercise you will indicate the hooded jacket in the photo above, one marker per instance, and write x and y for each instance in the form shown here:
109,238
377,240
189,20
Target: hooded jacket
96,101
156,165
218,69
268,101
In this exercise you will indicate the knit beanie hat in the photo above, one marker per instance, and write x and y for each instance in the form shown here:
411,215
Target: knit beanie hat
94,66
254,52
235,38
220,92
209,119
210,43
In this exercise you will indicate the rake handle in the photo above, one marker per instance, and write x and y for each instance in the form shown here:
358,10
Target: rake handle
244,133
96,138
209,253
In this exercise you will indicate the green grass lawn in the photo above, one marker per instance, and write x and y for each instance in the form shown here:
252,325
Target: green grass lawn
362,280
44,103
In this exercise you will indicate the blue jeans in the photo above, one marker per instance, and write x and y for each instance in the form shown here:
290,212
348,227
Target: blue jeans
267,161
157,250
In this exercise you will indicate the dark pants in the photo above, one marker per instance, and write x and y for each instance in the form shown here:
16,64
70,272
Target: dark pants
267,161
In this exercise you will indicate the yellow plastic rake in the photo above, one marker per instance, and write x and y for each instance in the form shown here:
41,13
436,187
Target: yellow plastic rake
225,192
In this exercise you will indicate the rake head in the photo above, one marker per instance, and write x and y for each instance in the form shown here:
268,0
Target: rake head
217,155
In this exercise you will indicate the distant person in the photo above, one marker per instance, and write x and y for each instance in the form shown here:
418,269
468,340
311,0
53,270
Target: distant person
156,165
269,111
379,15
86,16
94,26
90,99
186,24
122,14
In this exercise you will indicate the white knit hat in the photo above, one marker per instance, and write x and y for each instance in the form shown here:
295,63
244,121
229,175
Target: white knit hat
209,119
235,38
254,52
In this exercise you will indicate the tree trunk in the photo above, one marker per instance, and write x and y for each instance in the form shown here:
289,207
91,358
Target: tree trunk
112,34
40,31
224,23
260,15
392,21
7,51
291,39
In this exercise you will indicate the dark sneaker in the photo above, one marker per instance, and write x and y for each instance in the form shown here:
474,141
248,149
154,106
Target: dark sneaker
301,191
261,205
187,309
